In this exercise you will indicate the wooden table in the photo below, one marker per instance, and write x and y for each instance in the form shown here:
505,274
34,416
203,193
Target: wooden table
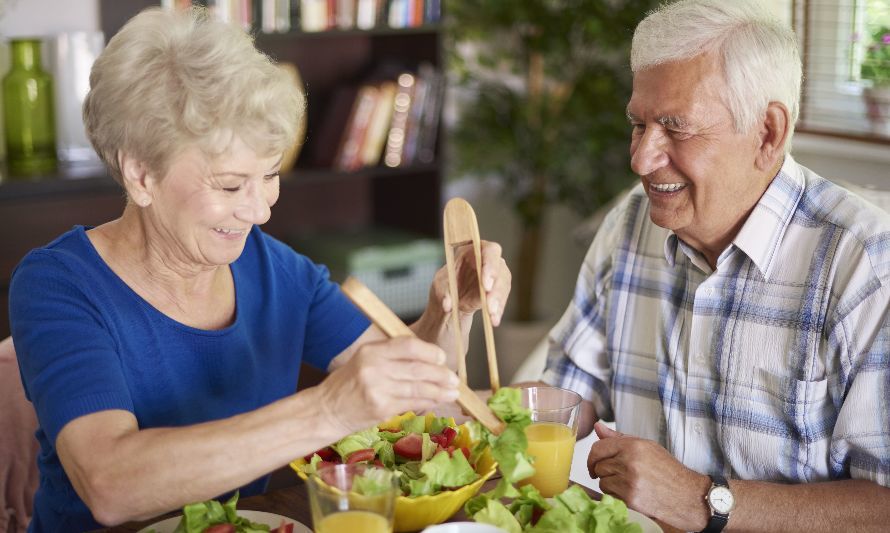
293,502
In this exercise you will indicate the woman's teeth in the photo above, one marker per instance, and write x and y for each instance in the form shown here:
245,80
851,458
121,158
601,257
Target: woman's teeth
666,187
227,231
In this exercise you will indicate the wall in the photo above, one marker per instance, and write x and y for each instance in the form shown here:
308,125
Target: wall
42,18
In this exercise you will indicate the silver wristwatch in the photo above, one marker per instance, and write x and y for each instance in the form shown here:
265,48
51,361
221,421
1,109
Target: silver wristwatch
721,501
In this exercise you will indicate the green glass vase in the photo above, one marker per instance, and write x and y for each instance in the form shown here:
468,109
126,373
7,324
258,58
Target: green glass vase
28,112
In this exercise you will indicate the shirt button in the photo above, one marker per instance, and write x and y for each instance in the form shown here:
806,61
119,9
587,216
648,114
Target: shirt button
700,358
697,428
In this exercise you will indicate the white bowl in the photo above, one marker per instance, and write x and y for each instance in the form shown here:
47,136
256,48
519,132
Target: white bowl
463,527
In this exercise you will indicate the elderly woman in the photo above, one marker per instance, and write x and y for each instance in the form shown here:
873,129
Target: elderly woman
161,349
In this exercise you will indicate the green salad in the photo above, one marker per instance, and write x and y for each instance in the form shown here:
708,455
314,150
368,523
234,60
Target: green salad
431,454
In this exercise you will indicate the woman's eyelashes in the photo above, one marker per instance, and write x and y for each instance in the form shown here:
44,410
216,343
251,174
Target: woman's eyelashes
267,178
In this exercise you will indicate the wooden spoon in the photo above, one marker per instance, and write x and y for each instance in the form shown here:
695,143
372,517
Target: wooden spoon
392,326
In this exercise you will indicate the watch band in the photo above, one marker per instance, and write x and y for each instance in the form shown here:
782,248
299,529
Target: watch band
717,521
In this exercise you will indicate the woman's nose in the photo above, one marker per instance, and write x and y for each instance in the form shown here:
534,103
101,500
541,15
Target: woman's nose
255,207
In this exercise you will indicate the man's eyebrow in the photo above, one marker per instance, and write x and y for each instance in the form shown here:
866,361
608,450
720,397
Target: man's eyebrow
673,122
630,116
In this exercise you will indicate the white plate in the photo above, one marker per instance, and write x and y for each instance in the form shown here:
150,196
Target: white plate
474,527
649,526
270,519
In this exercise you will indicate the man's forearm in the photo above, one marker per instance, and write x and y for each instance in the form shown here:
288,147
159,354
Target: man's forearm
848,505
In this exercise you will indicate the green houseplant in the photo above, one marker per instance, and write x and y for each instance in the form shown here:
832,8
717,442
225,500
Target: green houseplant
546,84
876,70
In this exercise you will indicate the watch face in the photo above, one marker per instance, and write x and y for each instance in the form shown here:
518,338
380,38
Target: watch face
721,499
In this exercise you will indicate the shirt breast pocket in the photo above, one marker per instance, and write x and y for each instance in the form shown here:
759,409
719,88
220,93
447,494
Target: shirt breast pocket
778,428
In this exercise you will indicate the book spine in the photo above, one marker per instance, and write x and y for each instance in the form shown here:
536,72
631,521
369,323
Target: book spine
379,123
432,112
412,125
395,140
314,15
349,155
267,14
366,14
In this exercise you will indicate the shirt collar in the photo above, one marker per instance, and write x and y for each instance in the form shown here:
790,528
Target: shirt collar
760,236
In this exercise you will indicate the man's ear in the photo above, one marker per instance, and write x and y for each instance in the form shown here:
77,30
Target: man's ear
772,136
138,180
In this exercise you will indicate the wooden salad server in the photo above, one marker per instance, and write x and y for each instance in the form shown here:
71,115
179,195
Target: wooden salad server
461,228
383,317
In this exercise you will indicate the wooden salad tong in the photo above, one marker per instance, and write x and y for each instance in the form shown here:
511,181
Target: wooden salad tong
460,229
383,317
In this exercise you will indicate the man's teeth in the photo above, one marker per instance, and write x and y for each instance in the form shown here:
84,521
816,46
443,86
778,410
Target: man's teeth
667,187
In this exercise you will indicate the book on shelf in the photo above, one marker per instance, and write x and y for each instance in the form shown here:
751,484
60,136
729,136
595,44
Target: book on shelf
427,132
378,127
349,153
389,122
395,140
281,16
314,15
323,141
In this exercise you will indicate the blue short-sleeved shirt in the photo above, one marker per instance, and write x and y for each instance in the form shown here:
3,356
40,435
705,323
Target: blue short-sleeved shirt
86,342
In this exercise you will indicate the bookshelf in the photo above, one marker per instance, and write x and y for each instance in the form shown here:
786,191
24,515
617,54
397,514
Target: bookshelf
313,197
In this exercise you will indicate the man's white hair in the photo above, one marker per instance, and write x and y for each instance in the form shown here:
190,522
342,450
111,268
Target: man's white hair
761,61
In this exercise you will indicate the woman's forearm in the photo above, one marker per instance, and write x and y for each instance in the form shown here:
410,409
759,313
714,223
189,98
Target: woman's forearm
123,473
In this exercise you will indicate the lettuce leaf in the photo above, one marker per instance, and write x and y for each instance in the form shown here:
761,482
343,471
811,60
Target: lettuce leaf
356,441
196,517
373,481
449,471
414,425
496,514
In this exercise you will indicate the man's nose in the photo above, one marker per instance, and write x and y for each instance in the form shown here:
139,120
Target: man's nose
648,154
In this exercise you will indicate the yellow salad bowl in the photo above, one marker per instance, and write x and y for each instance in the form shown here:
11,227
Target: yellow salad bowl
414,514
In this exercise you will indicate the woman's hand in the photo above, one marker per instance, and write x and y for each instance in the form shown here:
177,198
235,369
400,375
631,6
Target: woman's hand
386,378
496,279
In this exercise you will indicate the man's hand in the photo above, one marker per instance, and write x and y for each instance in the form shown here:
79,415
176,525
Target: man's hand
649,479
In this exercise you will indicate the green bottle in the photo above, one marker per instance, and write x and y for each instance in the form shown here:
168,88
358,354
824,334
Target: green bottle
28,112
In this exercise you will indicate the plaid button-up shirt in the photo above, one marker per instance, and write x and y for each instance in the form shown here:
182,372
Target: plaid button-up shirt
773,366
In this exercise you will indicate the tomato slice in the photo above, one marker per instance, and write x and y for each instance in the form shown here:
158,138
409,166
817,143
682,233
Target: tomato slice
410,446
220,528
327,454
284,528
366,454
447,436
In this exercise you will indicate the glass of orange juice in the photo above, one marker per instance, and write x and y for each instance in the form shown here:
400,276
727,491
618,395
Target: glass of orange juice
551,436
340,502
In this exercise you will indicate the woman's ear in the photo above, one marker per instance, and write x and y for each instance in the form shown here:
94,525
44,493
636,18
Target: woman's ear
773,135
137,179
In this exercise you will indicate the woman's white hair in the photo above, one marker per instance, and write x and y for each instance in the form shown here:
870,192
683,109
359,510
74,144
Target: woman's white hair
172,80
761,61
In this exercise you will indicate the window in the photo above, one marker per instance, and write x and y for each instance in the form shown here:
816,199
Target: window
834,37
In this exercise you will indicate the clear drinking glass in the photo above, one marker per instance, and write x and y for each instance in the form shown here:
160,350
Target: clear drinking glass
338,506
551,436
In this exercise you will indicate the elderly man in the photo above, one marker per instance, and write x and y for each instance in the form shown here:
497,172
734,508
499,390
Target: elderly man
732,315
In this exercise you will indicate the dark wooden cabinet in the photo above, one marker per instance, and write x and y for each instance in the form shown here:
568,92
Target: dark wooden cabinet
33,213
